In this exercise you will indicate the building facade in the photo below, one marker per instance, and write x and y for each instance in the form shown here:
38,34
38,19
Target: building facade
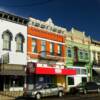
77,57
95,60
13,51
46,54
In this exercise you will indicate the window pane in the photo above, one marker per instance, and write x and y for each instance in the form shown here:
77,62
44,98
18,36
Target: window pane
78,71
51,48
43,46
19,44
86,55
6,41
70,80
43,53
81,54
69,52
34,47
83,71
59,49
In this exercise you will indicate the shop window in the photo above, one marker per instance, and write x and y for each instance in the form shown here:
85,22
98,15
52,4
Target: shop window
34,46
15,81
83,71
78,71
19,42
69,52
52,48
7,37
59,49
70,80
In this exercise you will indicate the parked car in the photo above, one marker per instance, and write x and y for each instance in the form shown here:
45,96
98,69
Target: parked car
45,90
85,88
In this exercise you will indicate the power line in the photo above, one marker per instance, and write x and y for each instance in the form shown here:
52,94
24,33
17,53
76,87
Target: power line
28,5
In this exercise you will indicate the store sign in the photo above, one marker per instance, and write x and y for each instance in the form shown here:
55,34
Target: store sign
57,70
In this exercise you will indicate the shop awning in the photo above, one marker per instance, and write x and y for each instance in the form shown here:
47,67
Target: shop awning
55,71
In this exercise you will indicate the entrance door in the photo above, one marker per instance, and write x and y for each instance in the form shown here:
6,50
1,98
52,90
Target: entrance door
84,79
1,82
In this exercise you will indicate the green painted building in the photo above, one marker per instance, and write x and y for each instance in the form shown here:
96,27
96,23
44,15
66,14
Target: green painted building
78,57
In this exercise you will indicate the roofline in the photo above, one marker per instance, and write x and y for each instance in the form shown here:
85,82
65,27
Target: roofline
95,42
12,14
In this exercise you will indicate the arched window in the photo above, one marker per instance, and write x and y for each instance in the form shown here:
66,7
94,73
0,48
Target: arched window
19,42
7,37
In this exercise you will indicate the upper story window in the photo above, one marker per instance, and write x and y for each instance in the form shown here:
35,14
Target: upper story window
86,55
51,48
81,54
7,37
69,52
19,42
43,45
59,49
94,55
43,48
34,46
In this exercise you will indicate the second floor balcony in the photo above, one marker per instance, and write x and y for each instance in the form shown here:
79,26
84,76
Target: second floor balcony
51,56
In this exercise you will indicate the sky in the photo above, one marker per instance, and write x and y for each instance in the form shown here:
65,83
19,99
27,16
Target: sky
83,15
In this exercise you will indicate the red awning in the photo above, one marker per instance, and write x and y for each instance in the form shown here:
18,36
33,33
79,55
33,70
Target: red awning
55,71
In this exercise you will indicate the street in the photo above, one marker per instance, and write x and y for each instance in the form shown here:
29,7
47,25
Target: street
69,97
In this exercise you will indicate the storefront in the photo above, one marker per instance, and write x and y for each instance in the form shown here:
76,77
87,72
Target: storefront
48,74
80,77
11,79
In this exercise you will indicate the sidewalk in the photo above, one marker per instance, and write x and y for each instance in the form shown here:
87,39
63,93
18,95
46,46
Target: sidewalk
2,97
7,95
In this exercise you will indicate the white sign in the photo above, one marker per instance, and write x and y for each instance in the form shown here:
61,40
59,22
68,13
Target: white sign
57,70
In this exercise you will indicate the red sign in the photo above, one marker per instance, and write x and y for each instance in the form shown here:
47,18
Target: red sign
54,71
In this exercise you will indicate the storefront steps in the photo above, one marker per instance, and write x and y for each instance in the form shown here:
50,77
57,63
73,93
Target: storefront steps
10,95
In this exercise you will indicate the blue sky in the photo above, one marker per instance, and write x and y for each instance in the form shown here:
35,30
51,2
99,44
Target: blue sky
81,14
